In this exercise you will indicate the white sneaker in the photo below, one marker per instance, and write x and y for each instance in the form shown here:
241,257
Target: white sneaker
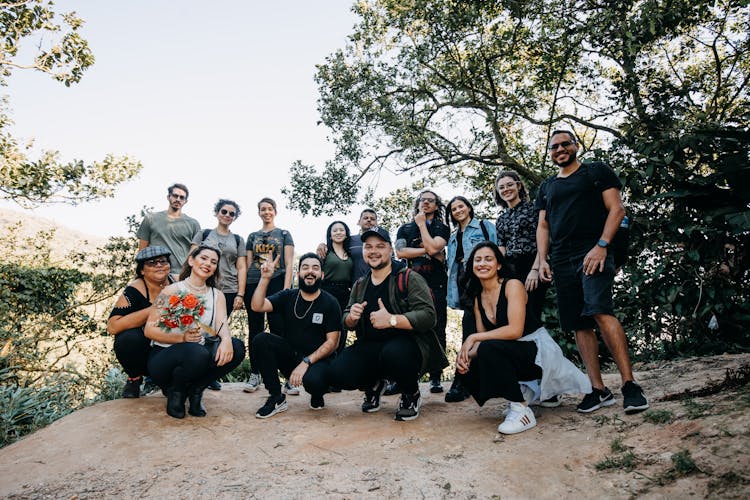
291,390
253,383
520,418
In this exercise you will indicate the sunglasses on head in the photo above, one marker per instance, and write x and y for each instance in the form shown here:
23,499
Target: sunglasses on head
230,213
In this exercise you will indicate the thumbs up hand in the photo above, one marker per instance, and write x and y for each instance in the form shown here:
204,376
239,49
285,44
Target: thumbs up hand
380,318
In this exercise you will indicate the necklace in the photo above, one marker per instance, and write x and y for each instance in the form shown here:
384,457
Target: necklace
196,289
308,308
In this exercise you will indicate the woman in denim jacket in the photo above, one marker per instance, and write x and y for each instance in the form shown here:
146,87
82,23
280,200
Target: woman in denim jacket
468,232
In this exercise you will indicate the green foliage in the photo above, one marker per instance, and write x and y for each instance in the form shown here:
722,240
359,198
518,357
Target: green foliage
625,461
683,463
452,91
658,416
695,409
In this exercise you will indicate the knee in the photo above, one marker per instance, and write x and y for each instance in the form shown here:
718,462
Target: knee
238,348
261,341
316,381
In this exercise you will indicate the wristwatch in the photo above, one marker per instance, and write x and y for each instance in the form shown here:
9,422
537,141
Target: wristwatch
602,243
306,359
393,321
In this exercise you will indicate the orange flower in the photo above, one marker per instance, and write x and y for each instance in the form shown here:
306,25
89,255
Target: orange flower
174,300
190,301
201,311
186,319
170,323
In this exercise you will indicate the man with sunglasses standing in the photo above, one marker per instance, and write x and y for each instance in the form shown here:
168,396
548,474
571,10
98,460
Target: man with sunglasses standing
422,243
580,211
171,228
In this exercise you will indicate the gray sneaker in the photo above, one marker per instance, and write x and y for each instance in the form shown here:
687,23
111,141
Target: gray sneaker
253,383
291,390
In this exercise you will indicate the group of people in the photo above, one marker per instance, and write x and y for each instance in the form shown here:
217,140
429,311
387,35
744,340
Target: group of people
394,296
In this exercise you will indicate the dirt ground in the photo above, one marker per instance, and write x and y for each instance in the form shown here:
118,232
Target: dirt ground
697,447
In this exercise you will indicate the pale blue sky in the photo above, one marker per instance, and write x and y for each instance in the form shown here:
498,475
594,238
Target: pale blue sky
217,95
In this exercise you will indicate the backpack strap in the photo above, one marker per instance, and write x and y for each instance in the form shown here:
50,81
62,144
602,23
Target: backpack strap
484,230
402,284
206,232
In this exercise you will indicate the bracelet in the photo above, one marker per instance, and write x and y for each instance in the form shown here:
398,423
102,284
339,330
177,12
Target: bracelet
240,296
535,269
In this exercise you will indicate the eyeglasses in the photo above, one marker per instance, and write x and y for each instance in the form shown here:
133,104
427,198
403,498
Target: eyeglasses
427,200
501,187
180,197
230,213
157,262
563,144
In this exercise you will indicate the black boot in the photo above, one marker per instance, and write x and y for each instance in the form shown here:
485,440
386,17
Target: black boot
176,402
195,402
457,392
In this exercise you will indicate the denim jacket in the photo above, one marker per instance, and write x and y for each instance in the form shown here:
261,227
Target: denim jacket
472,235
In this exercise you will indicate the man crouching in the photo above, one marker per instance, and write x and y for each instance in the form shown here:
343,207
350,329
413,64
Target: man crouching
312,324
393,315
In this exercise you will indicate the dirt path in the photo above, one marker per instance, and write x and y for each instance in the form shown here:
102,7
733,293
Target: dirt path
130,448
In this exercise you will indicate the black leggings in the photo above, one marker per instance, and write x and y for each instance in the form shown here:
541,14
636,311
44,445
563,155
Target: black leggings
189,365
364,363
497,369
275,355
256,321
131,349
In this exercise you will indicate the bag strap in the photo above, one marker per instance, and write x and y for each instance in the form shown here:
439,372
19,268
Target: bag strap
485,232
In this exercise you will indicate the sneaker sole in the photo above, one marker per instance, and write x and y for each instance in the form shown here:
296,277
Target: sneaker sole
371,410
549,404
399,418
317,408
524,428
290,393
278,409
249,390
635,409
602,404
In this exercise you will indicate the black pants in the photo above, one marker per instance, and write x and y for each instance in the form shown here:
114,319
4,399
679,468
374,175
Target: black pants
275,355
497,369
131,349
341,292
256,321
189,365
441,313
364,363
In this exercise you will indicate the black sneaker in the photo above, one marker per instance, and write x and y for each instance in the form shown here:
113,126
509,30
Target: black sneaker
317,402
371,403
633,399
596,399
552,402
435,386
274,404
214,386
408,407
456,393
132,388
391,388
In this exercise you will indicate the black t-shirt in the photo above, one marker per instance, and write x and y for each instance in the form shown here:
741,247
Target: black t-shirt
575,211
372,294
432,270
306,328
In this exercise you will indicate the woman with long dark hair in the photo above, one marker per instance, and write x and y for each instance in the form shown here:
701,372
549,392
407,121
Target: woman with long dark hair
180,362
509,346
338,266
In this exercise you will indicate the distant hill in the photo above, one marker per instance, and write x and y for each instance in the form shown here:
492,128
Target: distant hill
65,239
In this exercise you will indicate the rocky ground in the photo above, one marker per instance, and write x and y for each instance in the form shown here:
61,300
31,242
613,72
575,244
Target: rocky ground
687,445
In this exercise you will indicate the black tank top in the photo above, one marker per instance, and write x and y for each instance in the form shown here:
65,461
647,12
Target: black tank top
501,314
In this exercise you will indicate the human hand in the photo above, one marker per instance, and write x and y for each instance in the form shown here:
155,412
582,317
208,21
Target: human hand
467,351
267,268
238,304
532,280
380,318
296,377
322,250
420,218
356,311
192,335
225,352
594,260
545,273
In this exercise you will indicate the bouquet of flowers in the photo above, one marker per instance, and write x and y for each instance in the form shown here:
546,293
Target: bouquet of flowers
182,310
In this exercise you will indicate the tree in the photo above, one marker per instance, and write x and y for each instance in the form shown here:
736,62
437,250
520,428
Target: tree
658,88
64,55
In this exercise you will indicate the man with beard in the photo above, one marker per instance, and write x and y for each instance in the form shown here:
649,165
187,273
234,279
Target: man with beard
312,324
580,210
392,312
171,228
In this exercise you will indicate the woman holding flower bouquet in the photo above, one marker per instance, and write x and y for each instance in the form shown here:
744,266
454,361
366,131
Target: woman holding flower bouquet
184,356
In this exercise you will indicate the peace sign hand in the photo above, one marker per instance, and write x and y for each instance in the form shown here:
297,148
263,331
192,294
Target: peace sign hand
267,268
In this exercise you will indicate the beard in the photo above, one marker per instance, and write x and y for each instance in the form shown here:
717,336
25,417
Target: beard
571,158
381,265
309,288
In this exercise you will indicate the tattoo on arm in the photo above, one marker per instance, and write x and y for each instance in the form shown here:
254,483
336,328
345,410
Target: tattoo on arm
400,244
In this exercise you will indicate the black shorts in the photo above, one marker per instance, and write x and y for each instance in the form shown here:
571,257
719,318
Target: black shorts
581,296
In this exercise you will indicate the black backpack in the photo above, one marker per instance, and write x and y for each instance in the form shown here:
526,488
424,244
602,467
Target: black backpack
620,244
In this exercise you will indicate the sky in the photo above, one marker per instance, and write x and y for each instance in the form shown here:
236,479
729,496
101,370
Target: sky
217,95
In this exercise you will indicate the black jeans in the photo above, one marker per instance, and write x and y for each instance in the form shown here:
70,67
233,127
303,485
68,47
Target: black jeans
189,365
497,369
364,363
131,349
256,321
275,355
441,313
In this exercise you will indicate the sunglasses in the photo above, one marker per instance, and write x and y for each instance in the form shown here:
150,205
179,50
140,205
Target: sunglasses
563,144
157,262
180,197
230,213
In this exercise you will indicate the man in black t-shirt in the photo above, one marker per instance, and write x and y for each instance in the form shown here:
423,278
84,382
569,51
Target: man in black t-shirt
579,213
422,243
312,324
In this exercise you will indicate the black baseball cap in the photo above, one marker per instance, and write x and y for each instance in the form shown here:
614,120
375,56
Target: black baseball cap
380,232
